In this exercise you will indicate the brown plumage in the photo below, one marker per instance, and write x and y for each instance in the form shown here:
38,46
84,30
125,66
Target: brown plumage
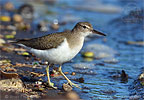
44,42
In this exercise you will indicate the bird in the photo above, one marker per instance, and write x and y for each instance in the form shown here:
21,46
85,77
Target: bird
60,47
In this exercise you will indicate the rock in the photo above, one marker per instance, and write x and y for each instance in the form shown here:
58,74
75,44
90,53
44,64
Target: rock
102,52
124,76
88,54
67,87
9,6
73,73
81,80
42,26
2,41
26,11
5,62
55,25
72,96
11,69
9,36
5,18
11,27
5,75
17,18
14,84
23,26
141,78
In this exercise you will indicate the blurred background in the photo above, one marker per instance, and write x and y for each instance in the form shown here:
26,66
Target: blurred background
116,61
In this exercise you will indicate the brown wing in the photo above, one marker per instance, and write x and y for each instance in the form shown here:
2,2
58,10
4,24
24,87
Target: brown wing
44,42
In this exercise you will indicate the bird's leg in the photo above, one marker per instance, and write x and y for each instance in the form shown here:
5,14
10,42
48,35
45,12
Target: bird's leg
49,82
69,82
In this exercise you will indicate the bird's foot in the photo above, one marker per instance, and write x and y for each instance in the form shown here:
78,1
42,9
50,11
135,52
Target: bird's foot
52,85
73,84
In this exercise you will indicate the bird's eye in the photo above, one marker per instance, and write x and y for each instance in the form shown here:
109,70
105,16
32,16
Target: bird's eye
84,26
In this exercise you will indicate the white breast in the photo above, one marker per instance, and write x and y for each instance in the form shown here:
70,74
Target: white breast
59,55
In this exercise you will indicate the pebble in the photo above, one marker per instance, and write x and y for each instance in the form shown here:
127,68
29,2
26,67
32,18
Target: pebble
11,27
17,18
9,6
5,61
5,18
5,75
124,76
88,54
24,54
67,87
42,26
23,26
55,25
26,11
141,78
14,84
103,52
9,36
72,96
2,41
73,73
7,69
81,80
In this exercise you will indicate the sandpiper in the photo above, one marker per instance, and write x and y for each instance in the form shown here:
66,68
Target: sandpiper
58,48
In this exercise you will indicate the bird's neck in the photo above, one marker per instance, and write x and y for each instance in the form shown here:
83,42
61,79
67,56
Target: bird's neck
75,39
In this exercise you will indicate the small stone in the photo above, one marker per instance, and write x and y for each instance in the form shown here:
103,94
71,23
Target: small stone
23,26
67,87
141,76
41,89
2,41
9,6
11,27
81,80
24,54
26,11
124,76
66,72
55,25
9,36
13,33
42,26
14,85
5,75
72,96
5,62
5,18
17,18
73,73
10,69
88,54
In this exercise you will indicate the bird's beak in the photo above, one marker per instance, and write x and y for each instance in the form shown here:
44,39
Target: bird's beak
97,32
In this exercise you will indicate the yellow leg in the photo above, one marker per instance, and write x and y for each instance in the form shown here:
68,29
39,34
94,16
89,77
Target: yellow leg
69,82
49,82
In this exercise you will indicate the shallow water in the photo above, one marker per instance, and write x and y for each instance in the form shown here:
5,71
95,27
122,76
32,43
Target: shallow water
98,81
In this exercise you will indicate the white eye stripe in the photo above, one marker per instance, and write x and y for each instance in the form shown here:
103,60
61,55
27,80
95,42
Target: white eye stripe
87,26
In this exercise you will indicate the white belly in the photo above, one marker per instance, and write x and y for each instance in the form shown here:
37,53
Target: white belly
59,55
